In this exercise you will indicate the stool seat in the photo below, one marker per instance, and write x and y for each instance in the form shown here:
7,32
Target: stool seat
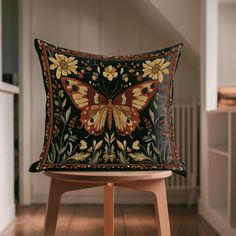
150,181
108,176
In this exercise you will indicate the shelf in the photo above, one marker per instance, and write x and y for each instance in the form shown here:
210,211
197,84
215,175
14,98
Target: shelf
222,150
223,110
218,195
232,148
218,132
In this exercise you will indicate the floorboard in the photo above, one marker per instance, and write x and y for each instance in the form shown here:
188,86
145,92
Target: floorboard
87,220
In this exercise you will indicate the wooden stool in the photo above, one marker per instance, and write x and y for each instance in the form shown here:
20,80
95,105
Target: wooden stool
151,181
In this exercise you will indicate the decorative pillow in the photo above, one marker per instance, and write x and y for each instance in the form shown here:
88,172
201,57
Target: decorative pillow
108,113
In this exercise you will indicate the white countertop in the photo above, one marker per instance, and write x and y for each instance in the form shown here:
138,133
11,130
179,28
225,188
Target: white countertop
9,88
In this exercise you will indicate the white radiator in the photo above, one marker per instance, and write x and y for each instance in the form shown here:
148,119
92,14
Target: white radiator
186,126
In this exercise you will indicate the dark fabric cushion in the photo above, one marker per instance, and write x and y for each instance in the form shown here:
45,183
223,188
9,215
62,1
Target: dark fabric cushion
108,113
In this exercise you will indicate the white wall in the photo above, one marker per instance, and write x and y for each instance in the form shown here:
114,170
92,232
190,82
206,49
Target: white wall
226,44
100,26
184,15
172,22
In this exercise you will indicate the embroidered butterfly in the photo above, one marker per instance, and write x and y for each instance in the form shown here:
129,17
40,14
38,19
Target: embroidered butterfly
96,108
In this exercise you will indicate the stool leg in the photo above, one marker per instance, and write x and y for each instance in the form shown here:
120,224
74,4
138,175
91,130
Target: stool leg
161,209
109,209
157,187
57,188
52,208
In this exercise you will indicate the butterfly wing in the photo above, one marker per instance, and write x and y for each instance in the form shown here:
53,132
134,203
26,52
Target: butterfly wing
126,119
93,118
126,106
82,94
92,104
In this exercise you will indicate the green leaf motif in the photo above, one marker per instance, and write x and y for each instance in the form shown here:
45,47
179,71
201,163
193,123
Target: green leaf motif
96,156
70,148
68,112
72,138
64,103
139,157
152,116
53,153
62,150
60,117
166,153
66,136
98,145
155,105
156,150
147,139
120,145
153,137
112,138
79,156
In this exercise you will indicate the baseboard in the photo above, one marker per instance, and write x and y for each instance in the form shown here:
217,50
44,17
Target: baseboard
221,226
7,215
174,197
181,196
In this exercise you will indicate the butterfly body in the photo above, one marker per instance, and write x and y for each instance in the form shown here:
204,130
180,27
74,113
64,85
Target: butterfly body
109,113
96,109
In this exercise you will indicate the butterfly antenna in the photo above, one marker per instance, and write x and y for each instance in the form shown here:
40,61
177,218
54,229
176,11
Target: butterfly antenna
115,93
114,90
105,90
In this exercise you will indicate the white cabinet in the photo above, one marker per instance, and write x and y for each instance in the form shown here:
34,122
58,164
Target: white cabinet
221,172
7,204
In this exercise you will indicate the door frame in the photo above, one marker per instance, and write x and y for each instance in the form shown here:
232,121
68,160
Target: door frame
25,130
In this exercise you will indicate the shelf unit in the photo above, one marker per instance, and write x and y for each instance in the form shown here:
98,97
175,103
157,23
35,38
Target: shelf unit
221,162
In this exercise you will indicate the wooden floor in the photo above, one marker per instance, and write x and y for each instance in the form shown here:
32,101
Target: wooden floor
87,220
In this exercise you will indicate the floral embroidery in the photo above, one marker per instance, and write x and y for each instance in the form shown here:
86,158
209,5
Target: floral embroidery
95,121
135,145
94,76
110,73
155,69
63,65
125,77
137,157
61,93
83,145
109,153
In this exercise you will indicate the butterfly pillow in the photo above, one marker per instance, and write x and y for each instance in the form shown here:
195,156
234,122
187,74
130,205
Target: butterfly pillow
108,113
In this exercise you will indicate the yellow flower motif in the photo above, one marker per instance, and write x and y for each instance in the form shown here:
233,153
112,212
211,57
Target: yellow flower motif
110,73
64,65
94,76
83,145
135,145
156,68
125,77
